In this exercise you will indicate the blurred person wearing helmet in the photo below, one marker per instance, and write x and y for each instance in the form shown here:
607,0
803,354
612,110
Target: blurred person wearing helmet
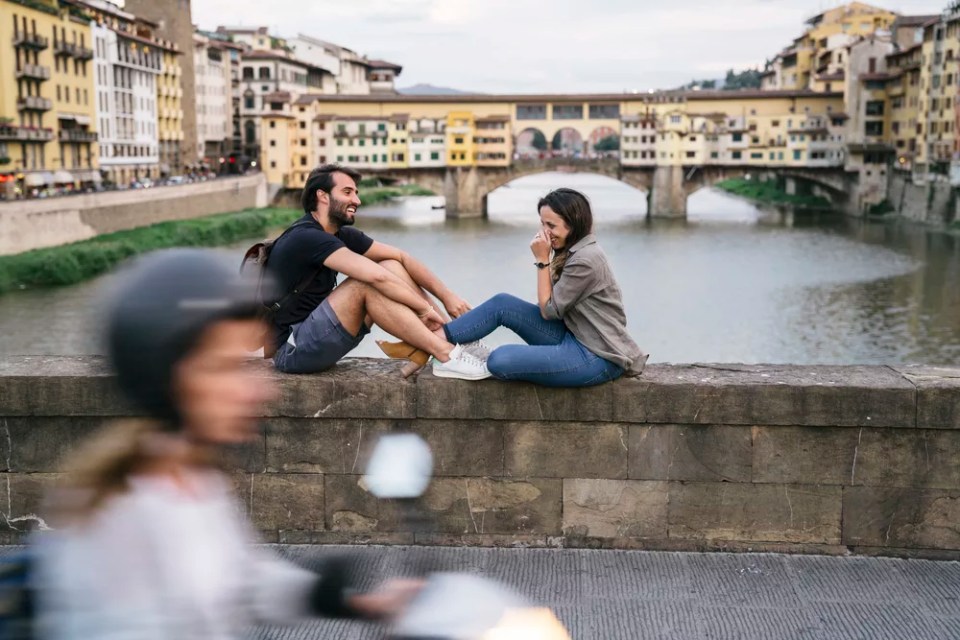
148,541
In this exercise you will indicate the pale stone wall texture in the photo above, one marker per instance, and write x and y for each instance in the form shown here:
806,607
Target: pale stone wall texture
34,224
824,459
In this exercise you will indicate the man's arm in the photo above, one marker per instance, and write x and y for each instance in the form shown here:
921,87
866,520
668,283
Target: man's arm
425,278
361,268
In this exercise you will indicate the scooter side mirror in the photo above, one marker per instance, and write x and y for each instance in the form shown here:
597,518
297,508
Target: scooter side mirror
400,467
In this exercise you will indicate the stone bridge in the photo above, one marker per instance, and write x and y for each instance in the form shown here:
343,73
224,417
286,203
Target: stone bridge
465,189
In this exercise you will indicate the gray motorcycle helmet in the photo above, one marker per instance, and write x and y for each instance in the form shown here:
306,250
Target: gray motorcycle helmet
155,315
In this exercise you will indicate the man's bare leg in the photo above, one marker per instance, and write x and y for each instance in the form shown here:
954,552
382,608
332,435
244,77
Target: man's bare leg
397,269
354,301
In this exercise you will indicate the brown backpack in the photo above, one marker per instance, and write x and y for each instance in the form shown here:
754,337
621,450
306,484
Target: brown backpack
256,257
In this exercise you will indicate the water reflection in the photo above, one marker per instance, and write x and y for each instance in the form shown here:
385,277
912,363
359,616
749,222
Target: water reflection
730,284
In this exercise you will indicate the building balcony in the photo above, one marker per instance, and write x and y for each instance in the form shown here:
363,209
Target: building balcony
24,134
34,103
30,41
72,50
77,135
34,72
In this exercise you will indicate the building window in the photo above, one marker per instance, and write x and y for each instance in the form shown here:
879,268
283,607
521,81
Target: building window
248,73
798,155
273,124
273,164
416,157
531,112
567,112
435,155
674,119
875,107
604,111
874,128
736,155
738,137
264,73
273,143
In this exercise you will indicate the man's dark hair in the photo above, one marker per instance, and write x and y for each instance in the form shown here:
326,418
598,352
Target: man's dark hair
322,178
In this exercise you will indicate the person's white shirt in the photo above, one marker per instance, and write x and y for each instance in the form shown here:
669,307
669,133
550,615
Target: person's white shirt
158,562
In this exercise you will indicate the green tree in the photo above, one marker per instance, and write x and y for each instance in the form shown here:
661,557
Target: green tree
610,143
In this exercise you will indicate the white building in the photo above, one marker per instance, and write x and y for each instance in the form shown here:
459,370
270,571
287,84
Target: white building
127,67
270,82
427,141
638,141
212,72
361,142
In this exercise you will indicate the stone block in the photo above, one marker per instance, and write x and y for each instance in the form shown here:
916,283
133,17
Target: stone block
493,506
21,511
732,394
690,453
804,455
464,447
565,450
615,508
351,508
296,445
353,388
58,386
917,458
467,448
901,517
443,398
42,445
287,501
938,395
755,512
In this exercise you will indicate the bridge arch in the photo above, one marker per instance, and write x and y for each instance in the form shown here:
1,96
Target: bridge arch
567,142
603,141
531,143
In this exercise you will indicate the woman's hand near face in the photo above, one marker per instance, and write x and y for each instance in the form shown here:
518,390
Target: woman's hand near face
540,247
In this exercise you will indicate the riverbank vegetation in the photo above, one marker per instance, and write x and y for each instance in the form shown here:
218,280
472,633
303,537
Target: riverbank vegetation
767,191
79,261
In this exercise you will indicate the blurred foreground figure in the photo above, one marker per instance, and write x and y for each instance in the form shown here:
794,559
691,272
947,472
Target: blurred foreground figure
148,542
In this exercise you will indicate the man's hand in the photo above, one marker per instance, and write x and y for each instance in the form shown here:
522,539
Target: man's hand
540,247
388,601
455,305
432,319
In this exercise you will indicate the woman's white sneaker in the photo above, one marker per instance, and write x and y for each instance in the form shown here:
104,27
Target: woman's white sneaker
461,365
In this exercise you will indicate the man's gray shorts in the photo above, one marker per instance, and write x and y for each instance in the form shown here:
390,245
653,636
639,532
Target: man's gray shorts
317,343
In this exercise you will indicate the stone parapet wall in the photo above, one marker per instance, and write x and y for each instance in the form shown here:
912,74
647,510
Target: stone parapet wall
48,222
738,457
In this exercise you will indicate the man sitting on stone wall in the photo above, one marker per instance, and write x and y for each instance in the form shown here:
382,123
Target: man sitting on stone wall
320,324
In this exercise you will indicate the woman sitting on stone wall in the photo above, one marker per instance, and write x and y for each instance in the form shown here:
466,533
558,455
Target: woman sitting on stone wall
576,336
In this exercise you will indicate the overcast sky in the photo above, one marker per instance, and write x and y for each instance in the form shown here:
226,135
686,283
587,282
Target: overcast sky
528,46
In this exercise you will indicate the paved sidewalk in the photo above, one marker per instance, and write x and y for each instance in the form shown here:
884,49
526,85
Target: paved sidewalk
607,595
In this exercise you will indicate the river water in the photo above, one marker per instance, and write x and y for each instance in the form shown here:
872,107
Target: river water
730,284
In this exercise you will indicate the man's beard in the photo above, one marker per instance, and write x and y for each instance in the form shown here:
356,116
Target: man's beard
338,213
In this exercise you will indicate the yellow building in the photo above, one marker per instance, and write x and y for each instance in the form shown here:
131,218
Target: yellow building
461,131
47,103
170,111
493,141
283,162
399,136
938,92
809,62
903,91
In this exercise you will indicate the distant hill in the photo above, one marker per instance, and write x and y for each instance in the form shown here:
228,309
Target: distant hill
430,90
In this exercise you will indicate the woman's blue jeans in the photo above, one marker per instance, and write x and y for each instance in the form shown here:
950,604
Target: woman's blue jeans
552,356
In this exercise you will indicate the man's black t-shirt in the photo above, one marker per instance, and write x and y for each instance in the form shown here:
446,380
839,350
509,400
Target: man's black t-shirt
299,253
